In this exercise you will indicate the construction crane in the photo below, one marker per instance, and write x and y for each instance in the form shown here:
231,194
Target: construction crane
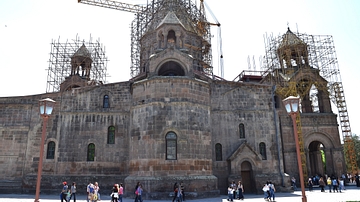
144,15
114,5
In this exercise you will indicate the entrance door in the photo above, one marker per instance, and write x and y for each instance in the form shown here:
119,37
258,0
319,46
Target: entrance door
247,179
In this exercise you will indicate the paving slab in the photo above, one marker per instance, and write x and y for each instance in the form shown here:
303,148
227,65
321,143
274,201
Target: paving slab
350,194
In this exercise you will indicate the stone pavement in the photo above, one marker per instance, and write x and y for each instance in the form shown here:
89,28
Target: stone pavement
351,193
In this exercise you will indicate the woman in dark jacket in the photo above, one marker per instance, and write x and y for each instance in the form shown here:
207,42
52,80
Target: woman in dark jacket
322,184
115,194
176,188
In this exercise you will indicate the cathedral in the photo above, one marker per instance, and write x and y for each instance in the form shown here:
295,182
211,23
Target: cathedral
174,121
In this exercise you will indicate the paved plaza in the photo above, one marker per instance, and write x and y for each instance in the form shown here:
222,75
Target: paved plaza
350,194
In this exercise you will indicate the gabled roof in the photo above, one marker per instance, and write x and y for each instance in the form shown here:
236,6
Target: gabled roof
171,18
82,51
244,148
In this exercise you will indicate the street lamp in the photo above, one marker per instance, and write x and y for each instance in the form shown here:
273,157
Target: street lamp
46,106
292,107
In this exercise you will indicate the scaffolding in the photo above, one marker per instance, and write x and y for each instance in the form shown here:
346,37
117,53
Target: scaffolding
149,16
321,57
60,62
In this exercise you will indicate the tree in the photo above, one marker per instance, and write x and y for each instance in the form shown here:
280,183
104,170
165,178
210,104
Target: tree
356,141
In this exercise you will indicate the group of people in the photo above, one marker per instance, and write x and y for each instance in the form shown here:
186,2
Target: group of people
269,191
235,191
68,193
93,192
179,192
117,193
333,183
138,192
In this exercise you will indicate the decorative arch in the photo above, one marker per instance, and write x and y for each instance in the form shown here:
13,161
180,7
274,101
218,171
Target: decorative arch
318,136
171,68
70,87
320,156
171,37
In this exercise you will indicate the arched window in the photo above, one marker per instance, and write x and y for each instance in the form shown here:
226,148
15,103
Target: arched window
171,148
50,154
91,152
262,148
218,151
106,103
111,135
171,37
241,130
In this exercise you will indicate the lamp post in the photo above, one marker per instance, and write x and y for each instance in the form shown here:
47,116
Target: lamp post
292,107
46,106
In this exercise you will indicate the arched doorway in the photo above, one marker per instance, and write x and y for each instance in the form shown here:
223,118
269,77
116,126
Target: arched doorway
247,178
317,159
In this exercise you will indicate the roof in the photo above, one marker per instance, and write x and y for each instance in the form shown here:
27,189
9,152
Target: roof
171,18
82,51
289,39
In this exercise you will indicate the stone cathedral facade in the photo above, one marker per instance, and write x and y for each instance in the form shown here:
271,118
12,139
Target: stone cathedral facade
169,124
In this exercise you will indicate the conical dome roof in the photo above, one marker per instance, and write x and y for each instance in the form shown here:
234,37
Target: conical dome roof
82,51
172,12
290,39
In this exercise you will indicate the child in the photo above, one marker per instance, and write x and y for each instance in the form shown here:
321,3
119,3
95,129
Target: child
68,195
230,193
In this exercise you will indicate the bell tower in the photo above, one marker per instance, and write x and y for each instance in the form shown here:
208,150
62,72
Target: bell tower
80,70
170,127
292,51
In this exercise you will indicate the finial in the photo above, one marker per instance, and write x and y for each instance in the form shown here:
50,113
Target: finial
288,26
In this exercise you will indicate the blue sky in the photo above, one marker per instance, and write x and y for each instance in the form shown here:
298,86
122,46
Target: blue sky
28,27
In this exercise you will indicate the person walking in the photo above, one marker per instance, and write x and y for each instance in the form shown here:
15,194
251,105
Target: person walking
240,189
114,193
293,183
88,187
73,192
64,191
137,192
234,186
341,184
182,188
121,192
230,193
266,192
322,184
310,184
179,195
329,183
176,189
140,190
272,190
335,185
97,191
